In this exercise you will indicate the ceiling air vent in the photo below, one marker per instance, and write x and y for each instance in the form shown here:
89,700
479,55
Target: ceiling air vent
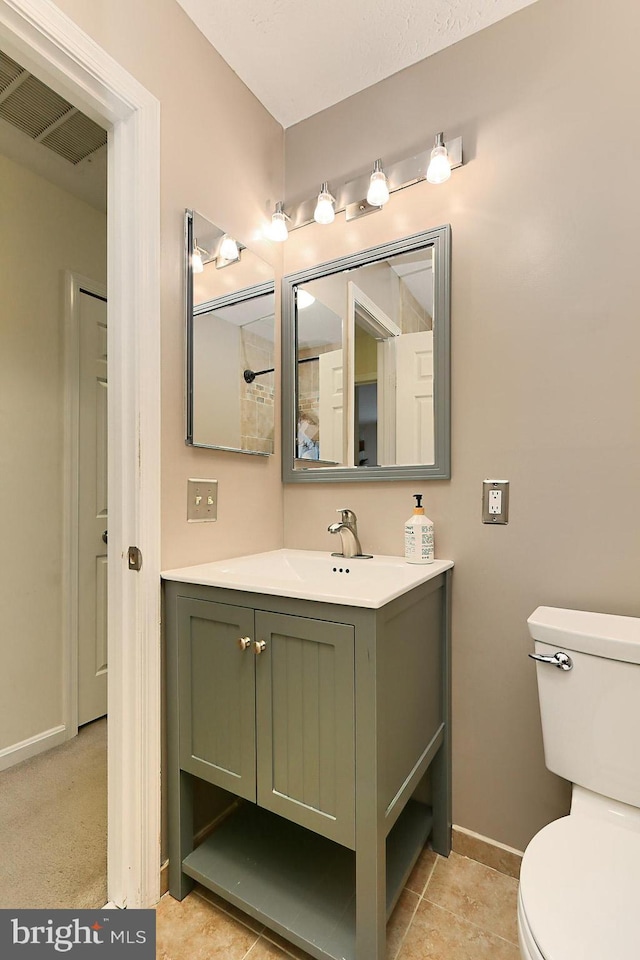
45,116
9,70
76,138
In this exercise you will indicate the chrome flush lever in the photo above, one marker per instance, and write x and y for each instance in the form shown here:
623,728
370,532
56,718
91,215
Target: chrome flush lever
561,660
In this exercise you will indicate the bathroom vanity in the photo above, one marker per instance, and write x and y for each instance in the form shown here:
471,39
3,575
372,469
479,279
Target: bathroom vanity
315,691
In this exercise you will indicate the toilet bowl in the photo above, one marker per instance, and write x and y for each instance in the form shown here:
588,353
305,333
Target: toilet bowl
579,894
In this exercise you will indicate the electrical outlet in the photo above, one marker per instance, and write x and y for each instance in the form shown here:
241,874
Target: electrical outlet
495,501
202,500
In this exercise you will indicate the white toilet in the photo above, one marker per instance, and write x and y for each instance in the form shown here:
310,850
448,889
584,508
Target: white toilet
579,896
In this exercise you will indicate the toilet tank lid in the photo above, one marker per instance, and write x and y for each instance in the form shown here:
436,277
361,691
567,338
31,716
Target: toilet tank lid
600,634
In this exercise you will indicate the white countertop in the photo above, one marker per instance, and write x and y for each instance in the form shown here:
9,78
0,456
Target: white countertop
314,575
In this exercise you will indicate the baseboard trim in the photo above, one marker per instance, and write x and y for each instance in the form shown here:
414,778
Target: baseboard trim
492,853
25,749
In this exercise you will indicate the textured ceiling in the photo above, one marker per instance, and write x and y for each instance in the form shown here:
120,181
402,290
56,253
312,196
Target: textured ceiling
300,56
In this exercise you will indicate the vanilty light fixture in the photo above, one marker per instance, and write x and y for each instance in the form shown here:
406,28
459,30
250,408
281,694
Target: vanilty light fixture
325,209
197,264
228,249
278,227
368,193
378,192
439,169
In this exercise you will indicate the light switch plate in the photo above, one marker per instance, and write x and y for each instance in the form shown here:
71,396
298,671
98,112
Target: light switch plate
495,501
202,500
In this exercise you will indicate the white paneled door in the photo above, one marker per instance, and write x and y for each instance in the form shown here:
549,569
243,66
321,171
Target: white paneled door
331,406
414,398
92,508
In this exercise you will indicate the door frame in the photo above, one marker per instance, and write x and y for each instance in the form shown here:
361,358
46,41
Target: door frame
51,46
380,326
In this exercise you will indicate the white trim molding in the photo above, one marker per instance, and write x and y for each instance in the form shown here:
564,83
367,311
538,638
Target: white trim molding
18,752
43,39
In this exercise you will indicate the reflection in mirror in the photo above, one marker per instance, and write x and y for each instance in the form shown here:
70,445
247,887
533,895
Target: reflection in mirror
230,344
369,333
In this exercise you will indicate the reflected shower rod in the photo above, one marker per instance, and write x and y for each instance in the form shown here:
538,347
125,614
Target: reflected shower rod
250,375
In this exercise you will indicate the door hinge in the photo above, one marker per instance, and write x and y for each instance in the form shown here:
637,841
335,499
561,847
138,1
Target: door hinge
135,558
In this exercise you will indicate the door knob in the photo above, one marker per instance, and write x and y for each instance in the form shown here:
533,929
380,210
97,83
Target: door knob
259,646
104,537
244,642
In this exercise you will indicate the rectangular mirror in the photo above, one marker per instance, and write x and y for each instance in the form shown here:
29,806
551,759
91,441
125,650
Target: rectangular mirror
230,343
366,364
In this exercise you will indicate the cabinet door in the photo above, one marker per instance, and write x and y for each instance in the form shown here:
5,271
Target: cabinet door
305,723
217,694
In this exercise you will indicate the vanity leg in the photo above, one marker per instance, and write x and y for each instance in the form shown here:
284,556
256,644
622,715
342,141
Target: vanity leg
180,833
179,784
371,907
441,793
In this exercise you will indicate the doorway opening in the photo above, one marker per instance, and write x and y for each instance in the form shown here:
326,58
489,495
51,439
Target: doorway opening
54,433
48,44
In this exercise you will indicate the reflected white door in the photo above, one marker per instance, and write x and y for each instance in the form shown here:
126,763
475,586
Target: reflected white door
92,509
331,406
414,398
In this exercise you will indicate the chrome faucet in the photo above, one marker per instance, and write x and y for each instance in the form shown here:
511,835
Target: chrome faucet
347,527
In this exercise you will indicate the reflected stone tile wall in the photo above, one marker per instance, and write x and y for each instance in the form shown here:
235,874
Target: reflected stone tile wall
257,399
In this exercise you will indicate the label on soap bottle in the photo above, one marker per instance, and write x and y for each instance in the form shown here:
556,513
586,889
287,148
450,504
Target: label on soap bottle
418,542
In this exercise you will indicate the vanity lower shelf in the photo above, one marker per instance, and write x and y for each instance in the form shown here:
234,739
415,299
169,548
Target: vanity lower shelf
299,883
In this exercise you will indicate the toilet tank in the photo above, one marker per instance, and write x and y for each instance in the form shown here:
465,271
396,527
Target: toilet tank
591,713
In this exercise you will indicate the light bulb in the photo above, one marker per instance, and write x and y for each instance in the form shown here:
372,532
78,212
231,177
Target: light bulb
228,248
439,168
305,299
378,192
278,228
324,212
197,265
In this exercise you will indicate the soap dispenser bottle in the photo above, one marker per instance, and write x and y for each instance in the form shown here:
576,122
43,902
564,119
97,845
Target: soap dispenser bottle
418,535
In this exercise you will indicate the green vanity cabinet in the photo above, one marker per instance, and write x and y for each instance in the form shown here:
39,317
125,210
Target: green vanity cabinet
330,724
217,714
274,727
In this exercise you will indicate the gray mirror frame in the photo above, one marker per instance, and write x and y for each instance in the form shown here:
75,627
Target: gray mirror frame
440,239
247,293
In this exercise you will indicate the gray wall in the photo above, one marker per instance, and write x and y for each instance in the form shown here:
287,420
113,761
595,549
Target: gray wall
546,354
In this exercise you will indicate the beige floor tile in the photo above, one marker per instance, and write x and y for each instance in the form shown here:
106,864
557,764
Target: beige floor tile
422,871
289,949
196,930
436,934
399,921
264,950
476,893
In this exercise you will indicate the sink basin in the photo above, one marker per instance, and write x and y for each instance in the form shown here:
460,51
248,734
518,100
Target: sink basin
313,575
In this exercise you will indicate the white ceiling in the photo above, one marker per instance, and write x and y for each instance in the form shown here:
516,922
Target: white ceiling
301,56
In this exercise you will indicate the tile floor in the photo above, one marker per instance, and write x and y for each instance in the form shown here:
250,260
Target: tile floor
450,909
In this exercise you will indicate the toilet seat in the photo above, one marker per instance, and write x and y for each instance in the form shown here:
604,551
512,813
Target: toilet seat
528,946
579,886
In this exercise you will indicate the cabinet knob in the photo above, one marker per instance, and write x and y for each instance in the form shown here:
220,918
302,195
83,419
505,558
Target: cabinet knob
244,642
259,646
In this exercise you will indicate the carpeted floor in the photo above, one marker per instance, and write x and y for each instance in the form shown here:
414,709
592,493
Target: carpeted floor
53,826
